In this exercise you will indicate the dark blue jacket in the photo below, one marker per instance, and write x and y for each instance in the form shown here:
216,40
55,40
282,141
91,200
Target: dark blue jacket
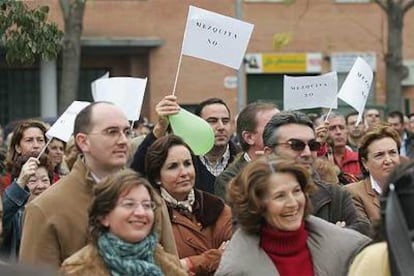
14,200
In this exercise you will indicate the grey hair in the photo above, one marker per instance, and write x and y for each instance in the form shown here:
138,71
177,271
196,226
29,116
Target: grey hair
270,134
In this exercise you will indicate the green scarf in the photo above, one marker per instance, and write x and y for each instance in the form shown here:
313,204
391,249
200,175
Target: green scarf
123,258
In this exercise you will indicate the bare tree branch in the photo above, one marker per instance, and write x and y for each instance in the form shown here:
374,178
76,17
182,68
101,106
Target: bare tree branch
408,6
381,4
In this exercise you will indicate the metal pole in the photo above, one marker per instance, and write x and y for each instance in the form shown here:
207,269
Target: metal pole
241,76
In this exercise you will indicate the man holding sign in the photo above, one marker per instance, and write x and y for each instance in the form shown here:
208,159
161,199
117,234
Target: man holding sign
210,165
56,224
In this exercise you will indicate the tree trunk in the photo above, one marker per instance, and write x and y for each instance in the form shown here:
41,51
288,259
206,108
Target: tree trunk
73,17
395,71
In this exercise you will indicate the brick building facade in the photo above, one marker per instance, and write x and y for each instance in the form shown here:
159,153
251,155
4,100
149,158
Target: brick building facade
143,38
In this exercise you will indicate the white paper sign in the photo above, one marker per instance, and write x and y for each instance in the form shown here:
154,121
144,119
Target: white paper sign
356,87
125,92
93,84
63,127
215,37
310,92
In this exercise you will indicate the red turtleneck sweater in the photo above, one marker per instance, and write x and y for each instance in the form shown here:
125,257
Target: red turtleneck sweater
288,250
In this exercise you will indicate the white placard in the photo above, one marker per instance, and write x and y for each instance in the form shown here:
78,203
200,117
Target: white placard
356,87
93,84
310,92
63,127
215,37
125,92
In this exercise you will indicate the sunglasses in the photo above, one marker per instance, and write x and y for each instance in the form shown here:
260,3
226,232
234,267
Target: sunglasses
299,145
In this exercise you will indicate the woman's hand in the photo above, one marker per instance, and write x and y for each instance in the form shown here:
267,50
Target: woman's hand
29,169
166,107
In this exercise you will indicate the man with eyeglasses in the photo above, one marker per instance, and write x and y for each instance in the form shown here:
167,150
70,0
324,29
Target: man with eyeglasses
290,134
56,223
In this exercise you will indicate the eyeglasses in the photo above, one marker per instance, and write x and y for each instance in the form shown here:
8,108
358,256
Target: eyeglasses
299,145
115,133
131,205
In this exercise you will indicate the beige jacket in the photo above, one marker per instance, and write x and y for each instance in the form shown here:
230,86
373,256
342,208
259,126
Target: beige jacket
55,224
87,261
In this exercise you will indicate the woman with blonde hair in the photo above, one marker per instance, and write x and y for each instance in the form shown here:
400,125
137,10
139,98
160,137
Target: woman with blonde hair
123,236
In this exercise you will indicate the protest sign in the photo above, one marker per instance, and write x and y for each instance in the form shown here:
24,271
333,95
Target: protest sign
310,92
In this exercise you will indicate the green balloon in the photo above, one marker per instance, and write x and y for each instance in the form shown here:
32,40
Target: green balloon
196,132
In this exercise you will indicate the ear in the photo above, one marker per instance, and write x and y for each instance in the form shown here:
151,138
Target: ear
248,137
104,221
364,163
81,139
267,150
18,149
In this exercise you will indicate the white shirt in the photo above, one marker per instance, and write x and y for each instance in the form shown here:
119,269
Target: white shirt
375,186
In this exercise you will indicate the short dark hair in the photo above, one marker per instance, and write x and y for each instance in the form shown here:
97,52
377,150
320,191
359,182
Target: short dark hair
106,195
247,119
378,132
270,134
199,109
157,154
396,114
353,113
247,191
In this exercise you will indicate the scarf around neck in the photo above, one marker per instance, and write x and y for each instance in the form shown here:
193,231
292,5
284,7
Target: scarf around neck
185,204
124,258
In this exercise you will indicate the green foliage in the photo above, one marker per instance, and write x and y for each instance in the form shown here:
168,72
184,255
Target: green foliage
25,33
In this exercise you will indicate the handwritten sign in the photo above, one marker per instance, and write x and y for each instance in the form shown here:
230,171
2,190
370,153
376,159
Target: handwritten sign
310,92
63,127
125,92
215,37
356,87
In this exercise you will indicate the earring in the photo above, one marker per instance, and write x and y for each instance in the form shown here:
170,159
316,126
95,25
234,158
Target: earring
158,183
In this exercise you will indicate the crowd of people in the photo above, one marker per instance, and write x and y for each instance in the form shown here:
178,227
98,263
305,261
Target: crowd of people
279,193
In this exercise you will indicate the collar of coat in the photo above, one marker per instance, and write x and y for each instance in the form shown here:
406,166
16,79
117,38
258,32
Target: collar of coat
207,208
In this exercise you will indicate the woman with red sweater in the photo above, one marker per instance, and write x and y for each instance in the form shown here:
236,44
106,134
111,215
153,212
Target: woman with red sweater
276,234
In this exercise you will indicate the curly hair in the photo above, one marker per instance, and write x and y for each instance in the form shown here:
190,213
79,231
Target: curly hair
106,196
248,191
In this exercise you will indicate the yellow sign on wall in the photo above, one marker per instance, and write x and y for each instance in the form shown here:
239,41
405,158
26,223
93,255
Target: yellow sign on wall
277,63
283,63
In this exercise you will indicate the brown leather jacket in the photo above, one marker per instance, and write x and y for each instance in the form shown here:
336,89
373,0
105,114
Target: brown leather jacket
199,235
